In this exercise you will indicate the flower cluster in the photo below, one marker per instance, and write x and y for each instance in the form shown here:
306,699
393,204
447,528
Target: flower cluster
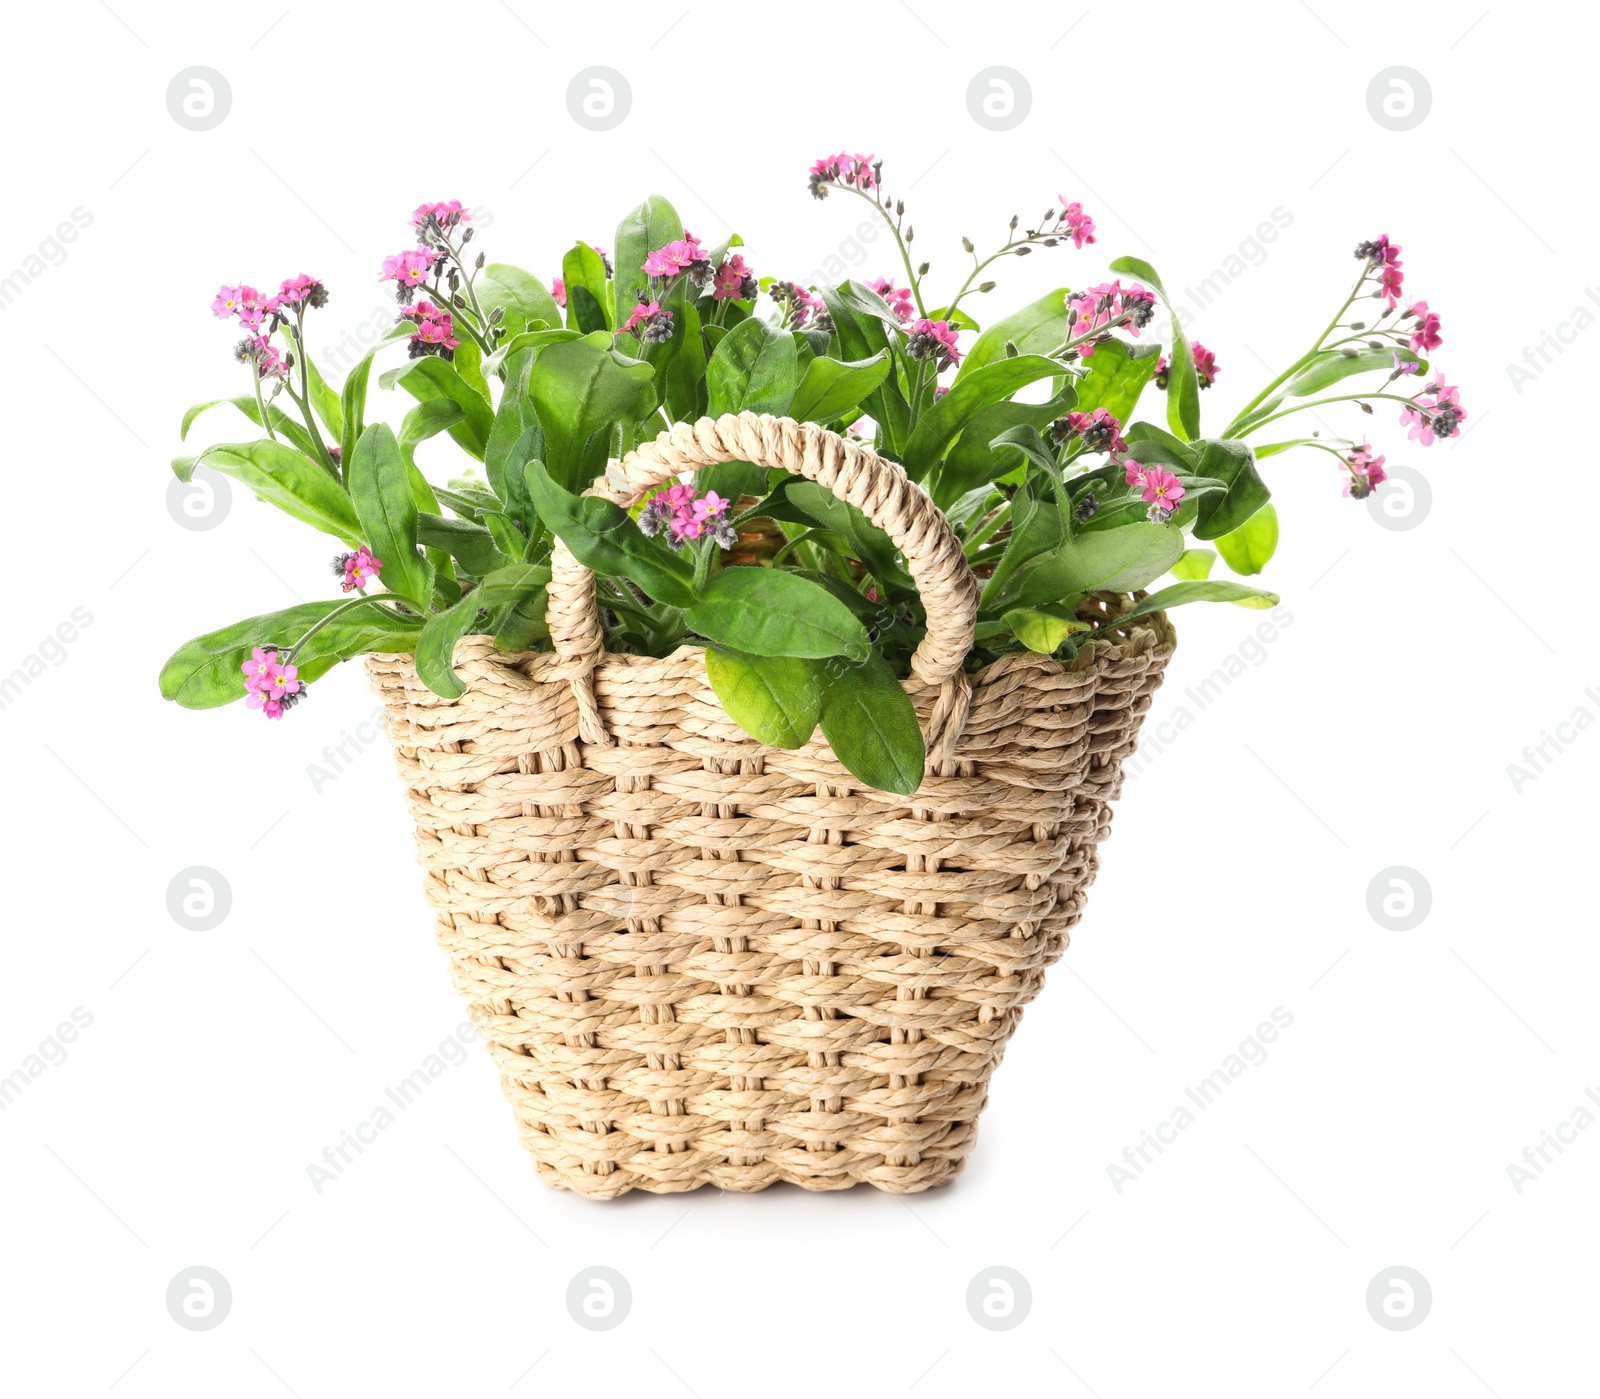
1158,487
861,172
935,340
1425,333
408,271
1435,412
1109,306
271,687
681,255
1364,471
734,281
797,306
434,334
1080,227
1381,254
649,321
261,314
898,299
357,569
260,352
686,516
428,219
1099,431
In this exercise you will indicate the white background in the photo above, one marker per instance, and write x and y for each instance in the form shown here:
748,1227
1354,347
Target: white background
1375,731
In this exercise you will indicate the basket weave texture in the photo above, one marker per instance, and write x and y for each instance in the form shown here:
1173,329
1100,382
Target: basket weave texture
698,960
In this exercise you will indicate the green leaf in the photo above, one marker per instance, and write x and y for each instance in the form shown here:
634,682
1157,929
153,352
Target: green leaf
585,278
1194,565
975,459
867,542
1117,374
1232,463
829,388
282,424
204,673
1042,631
580,389
472,545
651,225
381,489
939,424
324,401
871,726
284,477
1249,548
604,538
529,340
436,647
1236,593
862,333
775,699
764,612
427,420
353,396
1264,450
1183,384
753,370
429,378
516,598
515,439
1118,560
1149,445
1036,329
522,297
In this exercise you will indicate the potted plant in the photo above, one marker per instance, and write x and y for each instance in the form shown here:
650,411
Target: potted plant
760,682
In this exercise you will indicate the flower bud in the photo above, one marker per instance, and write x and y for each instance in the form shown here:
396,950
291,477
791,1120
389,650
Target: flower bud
467,236
922,269
985,286
479,263
1013,223
497,315
966,243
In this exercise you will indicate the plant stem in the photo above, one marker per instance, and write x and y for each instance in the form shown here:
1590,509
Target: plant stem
261,403
894,228
1322,402
339,611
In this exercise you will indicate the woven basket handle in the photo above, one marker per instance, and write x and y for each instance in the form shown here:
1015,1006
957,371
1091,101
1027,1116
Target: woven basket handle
878,488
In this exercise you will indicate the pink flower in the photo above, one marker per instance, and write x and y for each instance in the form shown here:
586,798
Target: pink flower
1425,334
686,517
409,268
269,363
1135,471
258,669
359,569
1436,412
935,340
1404,366
1365,472
650,323
1162,491
1205,364
448,214
852,171
1379,252
558,292
227,302
898,299
1100,431
1107,305
436,334
677,256
644,311
1080,224
734,281
280,681
302,288
709,504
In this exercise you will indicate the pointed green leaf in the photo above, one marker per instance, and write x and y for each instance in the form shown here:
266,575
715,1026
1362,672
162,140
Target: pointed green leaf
775,699
871,726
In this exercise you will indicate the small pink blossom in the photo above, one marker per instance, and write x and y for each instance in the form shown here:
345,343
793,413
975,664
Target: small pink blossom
686,517
409,268
852,171
1079,223
935,340
1135,471
677,256
359,568
558,292
898,299
1100,431
1405,366
1364,471
448,213
1162,491
258,669
1205,364
734,281
1425,333
644,311
227,302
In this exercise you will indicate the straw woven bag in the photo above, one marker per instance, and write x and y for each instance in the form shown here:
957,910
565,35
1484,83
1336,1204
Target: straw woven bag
698,960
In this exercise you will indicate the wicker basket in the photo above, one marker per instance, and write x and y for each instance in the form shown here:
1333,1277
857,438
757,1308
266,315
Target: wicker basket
698,960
